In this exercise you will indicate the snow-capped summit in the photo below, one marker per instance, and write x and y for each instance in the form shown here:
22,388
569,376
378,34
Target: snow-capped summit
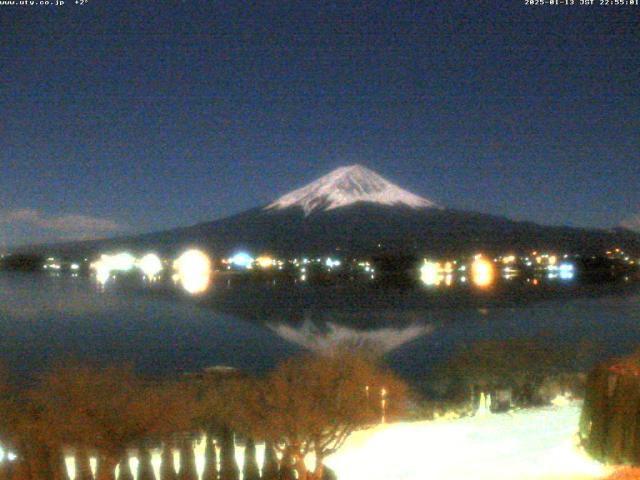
348,185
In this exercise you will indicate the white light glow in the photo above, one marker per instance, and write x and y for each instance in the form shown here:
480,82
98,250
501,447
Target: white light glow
566,271
193,269
121,262
330,262
430,273
151,265
241,259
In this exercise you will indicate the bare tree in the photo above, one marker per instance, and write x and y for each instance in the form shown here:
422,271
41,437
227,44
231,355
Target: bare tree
83,466
187,461
609,425
210,460
270,464
101,409
228,466
221,410
24,431
313,404
167,468
250,469
145,469
125,468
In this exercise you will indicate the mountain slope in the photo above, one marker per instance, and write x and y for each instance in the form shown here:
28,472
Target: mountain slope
355,211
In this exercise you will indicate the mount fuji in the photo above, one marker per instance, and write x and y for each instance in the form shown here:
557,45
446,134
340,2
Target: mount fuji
348,186
354,211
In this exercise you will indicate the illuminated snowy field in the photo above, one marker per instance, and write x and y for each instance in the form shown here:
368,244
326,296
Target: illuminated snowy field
534,444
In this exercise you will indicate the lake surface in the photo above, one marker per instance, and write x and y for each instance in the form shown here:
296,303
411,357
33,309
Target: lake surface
45,318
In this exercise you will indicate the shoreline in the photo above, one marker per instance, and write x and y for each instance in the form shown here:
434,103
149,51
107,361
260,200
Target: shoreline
370,306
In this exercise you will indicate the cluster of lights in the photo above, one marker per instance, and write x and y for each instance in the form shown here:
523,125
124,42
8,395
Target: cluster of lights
53,265
368,269
555,266
192,269
245,261
108,264
564,271
620,254
436,273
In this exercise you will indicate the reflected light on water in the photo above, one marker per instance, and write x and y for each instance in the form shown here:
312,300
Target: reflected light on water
193,271
335,336
102,275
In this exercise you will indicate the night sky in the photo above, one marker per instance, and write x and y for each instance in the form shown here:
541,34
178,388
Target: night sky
123,117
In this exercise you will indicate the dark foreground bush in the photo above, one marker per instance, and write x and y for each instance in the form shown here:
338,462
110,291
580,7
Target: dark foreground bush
610,420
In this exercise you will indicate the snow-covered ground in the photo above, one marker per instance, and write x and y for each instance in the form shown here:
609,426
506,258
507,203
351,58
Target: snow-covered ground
535,444
531,444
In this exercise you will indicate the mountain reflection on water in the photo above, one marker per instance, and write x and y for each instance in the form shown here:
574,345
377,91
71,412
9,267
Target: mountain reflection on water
330,336
159,331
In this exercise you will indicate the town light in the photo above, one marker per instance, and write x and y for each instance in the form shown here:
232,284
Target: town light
330,262
566,271
121,262
241,259
193,271
151,265
482,272
264,261
430,273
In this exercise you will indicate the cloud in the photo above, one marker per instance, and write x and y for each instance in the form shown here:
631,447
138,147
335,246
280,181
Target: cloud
632,223
66,226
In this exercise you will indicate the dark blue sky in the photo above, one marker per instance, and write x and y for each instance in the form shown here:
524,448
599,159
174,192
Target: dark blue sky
141,115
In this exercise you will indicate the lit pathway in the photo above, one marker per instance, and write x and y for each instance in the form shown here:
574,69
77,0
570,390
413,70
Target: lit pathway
534,444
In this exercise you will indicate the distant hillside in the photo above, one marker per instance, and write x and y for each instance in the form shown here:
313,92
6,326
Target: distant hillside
355,211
